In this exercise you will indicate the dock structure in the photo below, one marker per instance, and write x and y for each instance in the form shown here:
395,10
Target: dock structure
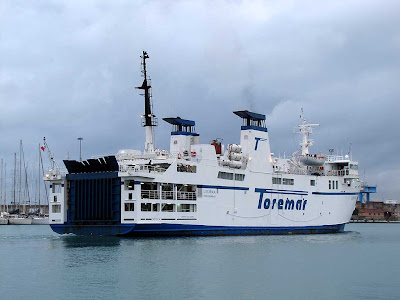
367,190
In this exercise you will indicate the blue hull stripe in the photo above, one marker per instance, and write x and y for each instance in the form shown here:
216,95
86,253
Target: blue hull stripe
320,193
282,192
189,230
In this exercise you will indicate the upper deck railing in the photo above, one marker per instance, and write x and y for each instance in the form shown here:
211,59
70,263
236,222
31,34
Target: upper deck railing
168,195
141,168
332,158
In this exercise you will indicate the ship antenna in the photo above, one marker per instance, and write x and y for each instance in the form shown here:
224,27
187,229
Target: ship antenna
149,120
305,130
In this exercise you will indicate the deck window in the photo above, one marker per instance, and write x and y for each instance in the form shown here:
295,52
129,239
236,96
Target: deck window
276,180
329,184
167,207
312,182
186,207
186,168
239,177
129,185
288,181
155,207
56,208
56,188
146,206
225,175
129,206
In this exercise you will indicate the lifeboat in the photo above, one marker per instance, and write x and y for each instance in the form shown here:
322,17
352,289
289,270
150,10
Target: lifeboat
312,160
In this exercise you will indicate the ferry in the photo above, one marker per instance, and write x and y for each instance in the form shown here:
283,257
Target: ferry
204,189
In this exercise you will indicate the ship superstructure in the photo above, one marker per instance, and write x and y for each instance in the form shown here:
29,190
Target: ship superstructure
204,189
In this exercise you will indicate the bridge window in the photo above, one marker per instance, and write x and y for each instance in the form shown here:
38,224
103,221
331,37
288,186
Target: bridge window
129,206
56,208
276,180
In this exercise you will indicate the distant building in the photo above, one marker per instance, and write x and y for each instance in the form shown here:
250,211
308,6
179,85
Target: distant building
377,211
391,202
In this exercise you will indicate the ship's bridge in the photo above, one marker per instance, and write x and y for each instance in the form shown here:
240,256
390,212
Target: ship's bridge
182,126
252,120
183,136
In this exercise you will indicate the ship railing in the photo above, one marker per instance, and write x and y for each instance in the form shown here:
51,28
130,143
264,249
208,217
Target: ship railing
168,195
142,168
332,158
344,172
150,194
55,174
292,171
186,195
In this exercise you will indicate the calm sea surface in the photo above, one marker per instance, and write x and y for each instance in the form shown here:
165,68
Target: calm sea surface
362,263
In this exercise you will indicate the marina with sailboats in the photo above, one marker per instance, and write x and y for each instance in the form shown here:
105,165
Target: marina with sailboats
23,193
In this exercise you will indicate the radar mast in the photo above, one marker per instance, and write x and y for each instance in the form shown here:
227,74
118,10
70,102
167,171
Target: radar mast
149,120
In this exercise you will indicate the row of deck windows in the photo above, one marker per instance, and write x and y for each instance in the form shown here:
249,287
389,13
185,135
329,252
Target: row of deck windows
230,176
166,191
165,207
285,181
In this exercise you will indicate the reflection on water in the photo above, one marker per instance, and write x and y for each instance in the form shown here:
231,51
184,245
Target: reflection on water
71,241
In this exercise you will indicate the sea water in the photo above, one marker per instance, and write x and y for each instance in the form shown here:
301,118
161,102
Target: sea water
362,263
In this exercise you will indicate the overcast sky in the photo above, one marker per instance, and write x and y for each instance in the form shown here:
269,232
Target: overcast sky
69,68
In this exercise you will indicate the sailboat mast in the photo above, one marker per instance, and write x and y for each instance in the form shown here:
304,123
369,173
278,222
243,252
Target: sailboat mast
5,186
20,174
14,181
1,187
39,157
